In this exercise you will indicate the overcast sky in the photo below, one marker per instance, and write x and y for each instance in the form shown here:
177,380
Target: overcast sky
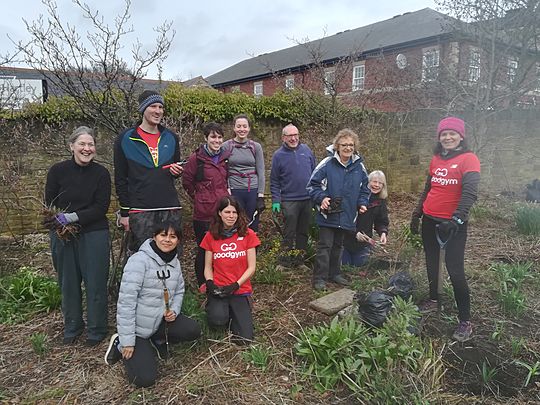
212,35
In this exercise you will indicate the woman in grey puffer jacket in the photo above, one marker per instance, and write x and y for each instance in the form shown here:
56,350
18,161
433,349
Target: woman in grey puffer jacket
148,309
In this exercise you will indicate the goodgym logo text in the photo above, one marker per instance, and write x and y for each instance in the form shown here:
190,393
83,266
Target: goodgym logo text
228,251
442,180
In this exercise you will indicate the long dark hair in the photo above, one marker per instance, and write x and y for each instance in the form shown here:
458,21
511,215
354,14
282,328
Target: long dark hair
216,225
438,149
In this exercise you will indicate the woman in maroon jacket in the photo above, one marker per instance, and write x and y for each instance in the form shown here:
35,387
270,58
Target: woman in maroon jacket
205,180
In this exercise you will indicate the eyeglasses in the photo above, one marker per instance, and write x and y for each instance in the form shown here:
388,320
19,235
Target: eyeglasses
346,145
290,135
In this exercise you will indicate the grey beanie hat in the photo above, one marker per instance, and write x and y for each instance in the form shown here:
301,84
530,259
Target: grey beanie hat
149,97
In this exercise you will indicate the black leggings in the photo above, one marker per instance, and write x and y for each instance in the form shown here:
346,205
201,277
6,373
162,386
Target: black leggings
454,259
235,311
200,228
141,368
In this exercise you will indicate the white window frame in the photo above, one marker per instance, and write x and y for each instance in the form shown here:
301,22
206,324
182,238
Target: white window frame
537,77
329,81
513,65
289,83
358,77
474,65
430,64
258,89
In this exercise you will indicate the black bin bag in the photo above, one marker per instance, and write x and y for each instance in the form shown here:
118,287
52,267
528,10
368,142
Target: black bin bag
401,284
374,307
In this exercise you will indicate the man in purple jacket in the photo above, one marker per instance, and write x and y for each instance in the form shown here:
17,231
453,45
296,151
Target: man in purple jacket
292,165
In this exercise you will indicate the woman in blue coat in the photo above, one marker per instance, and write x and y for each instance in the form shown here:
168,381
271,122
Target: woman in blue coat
338,188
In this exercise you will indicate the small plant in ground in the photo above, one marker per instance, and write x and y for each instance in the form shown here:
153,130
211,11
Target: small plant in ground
39,343
517,345
497,334
528,220
487,375
514,273
479,212
192,306
378,365
534,371
266,272
258,355
413,240
25,293
512,300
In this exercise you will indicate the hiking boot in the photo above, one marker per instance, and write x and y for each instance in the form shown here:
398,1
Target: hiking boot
428,306
340,280
69,340
161,350
113,355
92,342
463,331
319,285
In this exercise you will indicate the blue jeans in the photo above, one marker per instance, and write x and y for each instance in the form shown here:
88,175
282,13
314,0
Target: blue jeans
356,258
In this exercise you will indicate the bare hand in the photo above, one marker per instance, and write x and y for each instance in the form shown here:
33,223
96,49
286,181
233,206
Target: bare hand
176,169
362,209
169,316
325,203
382,240
124,221
127,352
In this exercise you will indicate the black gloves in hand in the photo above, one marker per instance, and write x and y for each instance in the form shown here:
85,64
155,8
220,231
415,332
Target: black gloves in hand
212,288
221,292
229,289
260,204
448,228
415,224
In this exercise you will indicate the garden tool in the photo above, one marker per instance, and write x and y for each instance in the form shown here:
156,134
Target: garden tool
162,275
440,273
277,220
253,217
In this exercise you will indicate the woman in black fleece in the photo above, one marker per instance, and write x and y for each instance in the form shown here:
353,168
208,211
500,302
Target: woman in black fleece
81,189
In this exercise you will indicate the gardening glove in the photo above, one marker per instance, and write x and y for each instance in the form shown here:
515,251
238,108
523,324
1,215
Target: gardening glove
276,207
229,289
260,204
415,224
212,288
448,228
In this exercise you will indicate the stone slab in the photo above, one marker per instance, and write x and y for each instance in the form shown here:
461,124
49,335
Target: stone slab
332,303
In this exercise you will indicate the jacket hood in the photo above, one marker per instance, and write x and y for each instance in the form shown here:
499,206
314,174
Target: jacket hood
334,154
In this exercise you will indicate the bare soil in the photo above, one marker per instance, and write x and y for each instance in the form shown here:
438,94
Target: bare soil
215,371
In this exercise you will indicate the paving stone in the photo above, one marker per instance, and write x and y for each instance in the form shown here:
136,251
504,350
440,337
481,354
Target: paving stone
334,302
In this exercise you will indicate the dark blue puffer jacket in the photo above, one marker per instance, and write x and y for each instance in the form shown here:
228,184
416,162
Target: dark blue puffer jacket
331,178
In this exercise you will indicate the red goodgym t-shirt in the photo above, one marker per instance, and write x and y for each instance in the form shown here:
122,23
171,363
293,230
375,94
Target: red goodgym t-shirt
446,183
229,258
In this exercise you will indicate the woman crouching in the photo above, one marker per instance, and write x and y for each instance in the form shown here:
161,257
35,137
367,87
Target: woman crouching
230,260
148,310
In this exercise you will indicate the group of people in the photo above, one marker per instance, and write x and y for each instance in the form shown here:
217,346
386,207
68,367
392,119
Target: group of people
226,181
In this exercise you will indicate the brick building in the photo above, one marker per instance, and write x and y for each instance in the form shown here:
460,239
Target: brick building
416,60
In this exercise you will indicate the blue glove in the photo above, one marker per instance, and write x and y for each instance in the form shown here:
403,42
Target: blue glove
61,219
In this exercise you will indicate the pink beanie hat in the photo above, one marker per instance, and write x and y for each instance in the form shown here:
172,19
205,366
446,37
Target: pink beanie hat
453,123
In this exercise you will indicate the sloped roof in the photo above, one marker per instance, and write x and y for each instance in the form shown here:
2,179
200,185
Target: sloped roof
396,31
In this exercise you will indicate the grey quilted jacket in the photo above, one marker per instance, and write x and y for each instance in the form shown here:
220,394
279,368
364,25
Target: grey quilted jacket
141,306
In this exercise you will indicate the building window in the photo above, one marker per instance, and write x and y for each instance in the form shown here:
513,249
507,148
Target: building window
289,83
512,70
430,64
329,82
474,65
258,88
358,77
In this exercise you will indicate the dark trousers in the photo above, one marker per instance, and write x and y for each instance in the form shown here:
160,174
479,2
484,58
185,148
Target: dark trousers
248,201
84,259
142,226
328,258
454,259
234,310
357,257
200,228
297,217
141,368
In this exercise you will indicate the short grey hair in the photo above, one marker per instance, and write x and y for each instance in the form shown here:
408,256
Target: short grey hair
82,130
378,174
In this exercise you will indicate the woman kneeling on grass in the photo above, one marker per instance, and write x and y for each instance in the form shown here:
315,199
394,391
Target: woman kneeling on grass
230,261
148,310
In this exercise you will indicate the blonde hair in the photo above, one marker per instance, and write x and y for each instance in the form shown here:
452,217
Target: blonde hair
380,175
346,133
